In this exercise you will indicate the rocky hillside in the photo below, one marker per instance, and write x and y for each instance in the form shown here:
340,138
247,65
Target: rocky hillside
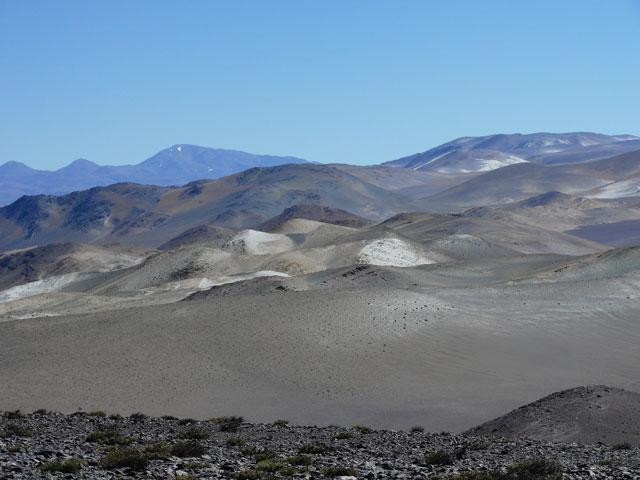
96,446
595,413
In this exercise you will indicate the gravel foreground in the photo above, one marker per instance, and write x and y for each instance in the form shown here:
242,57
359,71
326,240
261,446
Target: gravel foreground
93,445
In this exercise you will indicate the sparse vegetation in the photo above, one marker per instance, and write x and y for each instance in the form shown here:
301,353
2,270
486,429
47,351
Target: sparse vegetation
259,453
469,476
13,414
107,436
299,460
338,471
534,469
281,423
70,465
439,458
97,413
622,446
43,411
235,441
15,430
343,435
264,454
138,417
157,451
188,448
132,458
270,465
417,429
195,433
362,429
248,474
314,448
229,424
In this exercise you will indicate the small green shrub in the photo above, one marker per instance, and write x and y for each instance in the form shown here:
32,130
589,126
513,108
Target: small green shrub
362,429
299,460
471,476
281,423
97,413
288,471
535,469
115,416
235,441
249,474
264,454
229,424
70,465
138,417
439,458
343,435
13,414
196,465
417,429
313,448
195,433
270,465
169,417
107,436
188,449
622,446
157,451
339,472
15,430
132,458
43,411
259,453
14,449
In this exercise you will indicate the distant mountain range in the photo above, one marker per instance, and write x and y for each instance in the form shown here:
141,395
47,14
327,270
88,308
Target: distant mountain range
469,156
134,212
175,165
482,154
153,215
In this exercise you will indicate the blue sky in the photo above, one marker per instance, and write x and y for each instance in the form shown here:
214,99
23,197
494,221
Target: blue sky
330,81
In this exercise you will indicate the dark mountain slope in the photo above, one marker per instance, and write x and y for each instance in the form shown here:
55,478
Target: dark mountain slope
584,414
151,215
318,213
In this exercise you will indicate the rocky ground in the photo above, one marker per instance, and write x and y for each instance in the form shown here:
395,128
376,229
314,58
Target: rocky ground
94,445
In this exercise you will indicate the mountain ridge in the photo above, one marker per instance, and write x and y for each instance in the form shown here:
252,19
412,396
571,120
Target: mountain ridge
486,153
175,165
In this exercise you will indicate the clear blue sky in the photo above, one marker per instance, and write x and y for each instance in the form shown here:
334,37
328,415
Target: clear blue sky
331,81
